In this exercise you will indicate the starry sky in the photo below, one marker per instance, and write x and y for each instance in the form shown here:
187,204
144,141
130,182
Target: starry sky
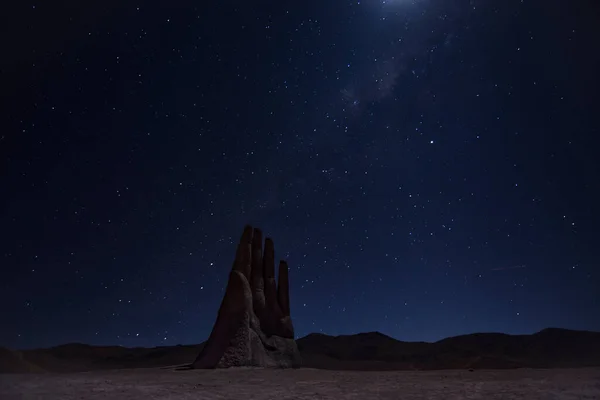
428,168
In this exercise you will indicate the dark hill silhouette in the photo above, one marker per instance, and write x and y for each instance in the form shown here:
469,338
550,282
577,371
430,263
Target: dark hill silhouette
549,348
75,357
13,361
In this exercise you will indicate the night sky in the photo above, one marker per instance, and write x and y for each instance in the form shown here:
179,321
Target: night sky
428,168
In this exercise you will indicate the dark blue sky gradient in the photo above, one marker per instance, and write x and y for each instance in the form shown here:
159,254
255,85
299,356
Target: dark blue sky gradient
428,168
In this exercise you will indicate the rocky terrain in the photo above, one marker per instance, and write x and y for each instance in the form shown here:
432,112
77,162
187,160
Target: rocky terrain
305,384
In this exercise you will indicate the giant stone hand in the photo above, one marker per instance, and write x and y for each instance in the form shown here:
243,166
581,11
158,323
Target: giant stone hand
253,326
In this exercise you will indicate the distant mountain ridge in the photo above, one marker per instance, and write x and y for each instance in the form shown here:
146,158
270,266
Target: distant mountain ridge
549,348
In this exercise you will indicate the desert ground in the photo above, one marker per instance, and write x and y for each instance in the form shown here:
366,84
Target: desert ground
259,384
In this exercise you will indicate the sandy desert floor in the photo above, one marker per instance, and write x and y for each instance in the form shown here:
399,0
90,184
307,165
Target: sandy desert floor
304,384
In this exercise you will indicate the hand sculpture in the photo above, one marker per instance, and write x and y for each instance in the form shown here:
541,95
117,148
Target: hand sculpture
253,326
